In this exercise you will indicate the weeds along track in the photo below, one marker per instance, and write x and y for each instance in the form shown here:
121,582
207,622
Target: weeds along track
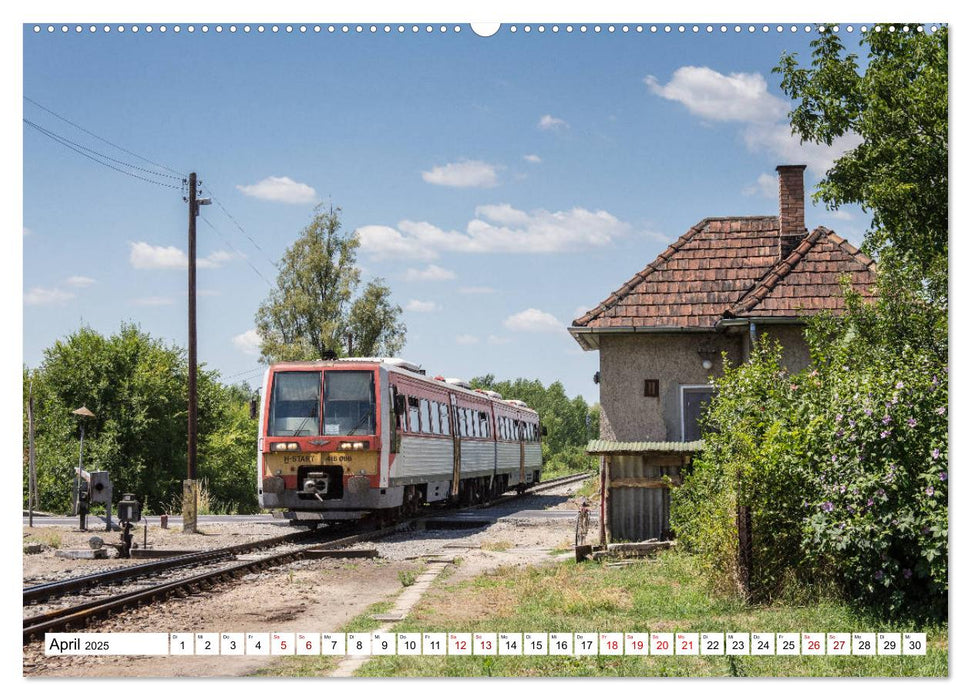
86,598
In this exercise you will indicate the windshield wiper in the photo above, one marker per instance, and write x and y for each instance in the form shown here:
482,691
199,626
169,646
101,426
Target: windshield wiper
360,422
300,427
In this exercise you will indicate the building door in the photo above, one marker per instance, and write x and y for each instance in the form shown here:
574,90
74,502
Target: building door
694,403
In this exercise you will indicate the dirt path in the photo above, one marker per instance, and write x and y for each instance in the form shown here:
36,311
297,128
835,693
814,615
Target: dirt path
314,596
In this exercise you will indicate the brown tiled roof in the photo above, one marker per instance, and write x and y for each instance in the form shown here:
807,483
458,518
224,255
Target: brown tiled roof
730,267
809,279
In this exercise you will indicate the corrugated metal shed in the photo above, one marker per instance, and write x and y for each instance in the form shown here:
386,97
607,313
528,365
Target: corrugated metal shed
635,488
606,447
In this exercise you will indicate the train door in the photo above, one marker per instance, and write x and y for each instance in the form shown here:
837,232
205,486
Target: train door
521,434
456,446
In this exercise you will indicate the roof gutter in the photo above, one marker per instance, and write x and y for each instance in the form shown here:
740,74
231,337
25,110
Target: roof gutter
761,321
588,337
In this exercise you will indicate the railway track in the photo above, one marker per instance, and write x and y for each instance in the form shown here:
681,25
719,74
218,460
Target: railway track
57,589
76,616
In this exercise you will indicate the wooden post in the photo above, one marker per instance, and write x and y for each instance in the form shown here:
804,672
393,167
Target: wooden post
32,465
743,519
189,501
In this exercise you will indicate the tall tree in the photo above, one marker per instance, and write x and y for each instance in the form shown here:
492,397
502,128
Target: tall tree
897,104
136,387
311,312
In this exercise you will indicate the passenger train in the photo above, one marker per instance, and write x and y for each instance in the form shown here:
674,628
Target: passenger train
344,439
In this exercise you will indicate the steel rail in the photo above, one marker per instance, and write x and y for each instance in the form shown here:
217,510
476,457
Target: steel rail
77,615
55,589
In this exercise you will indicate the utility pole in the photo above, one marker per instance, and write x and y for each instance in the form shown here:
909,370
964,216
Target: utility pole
32,465
190,488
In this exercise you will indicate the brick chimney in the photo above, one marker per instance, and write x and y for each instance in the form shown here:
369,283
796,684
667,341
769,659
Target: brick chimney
792,208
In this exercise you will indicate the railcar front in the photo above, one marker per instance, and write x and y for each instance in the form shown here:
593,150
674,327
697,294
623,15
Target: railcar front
323,446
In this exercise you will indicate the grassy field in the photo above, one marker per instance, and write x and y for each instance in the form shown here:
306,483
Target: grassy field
663,594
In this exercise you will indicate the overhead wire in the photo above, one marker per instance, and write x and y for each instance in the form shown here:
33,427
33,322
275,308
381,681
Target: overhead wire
234,249
102,139
87,153
238,225
245,374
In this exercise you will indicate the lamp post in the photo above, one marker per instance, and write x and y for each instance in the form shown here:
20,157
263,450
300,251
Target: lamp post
81,413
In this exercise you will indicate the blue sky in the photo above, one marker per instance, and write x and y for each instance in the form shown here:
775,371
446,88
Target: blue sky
501,185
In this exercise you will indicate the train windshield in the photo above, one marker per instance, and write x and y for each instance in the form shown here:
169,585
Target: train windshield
295,408
349,403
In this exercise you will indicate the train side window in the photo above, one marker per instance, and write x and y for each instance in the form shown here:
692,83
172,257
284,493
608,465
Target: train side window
460,417
484,421
473,424
501,423
426,426
436,415
445,422
413,415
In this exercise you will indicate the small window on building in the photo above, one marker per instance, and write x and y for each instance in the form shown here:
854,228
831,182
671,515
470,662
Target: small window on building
694,404
652,388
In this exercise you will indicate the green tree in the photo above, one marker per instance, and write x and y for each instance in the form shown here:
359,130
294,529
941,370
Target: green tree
845,465
375,325
897,105
136,387
311,313
568,422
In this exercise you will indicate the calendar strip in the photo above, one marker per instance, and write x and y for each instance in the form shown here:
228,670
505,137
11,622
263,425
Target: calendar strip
488,644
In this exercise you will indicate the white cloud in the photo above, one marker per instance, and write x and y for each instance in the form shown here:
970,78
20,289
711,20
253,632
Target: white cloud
153,301
532,158
39,296
498,340
764,186
497,228
248,342
466,339
745,98
464,173
422,307
548,122
580,311
476,290
779,140
280,189
79,281
145,256
712,95
432,273
533,321
840,215
386,242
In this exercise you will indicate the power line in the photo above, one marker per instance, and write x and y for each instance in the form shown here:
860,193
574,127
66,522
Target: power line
104,140
87,153
239,226
113,160
245,374
233,248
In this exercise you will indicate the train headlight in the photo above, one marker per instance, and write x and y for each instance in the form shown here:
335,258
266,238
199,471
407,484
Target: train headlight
359,445
284,447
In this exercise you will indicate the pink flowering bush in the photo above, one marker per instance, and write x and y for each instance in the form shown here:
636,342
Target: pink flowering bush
844,469
881,510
